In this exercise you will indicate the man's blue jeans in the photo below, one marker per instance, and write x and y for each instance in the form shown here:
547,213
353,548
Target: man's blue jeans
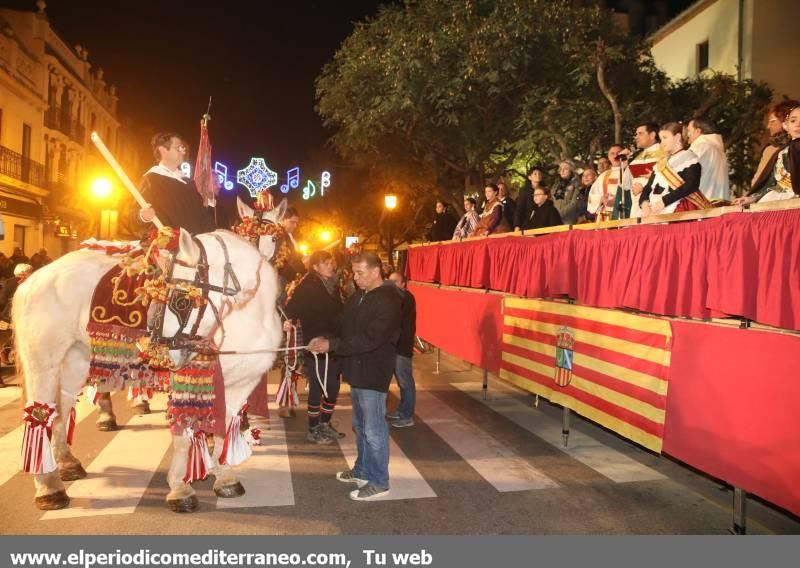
408,390
372,436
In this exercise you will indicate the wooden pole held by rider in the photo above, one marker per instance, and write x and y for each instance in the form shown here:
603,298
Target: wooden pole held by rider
126,181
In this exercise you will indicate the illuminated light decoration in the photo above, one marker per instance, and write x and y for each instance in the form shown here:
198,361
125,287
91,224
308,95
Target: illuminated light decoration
186,168
256,177
292,180
324,182
310,190
222,173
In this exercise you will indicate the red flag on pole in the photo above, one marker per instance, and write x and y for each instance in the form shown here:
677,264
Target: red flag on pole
204,176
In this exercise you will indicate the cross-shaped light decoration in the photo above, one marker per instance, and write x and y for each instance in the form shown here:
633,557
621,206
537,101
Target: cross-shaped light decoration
257,177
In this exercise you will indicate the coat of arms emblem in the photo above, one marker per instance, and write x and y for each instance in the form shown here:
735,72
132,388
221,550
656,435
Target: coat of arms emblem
565,342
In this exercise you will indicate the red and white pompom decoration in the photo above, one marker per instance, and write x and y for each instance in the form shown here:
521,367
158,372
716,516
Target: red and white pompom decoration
287,391
253,437
199,460
235,450
37,453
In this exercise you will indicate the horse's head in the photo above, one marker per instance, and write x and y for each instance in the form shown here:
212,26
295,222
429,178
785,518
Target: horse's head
263,226
212,273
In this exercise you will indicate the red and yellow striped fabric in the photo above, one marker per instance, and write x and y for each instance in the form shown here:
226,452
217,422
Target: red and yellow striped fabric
608,366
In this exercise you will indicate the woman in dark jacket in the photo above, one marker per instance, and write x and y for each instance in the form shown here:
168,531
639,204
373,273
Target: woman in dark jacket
522,216
544,213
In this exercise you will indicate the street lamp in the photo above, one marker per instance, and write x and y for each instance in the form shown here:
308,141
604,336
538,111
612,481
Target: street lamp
101,188
326,236
390,202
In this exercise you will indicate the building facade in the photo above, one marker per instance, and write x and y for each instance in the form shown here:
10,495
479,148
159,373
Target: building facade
751,39
51,100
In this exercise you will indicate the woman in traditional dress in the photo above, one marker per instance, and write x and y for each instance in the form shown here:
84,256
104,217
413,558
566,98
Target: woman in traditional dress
491,220
674,184
466,226
782,184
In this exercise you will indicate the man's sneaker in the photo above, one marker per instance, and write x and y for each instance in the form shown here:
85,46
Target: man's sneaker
403,422
348,477
394,415
317,437
327,429
368,493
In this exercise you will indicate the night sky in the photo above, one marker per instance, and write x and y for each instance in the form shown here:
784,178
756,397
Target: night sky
258,59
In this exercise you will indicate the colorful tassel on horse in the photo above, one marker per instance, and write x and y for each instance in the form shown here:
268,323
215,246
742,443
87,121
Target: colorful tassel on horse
37,453
199,461
235,450
70,426
253,437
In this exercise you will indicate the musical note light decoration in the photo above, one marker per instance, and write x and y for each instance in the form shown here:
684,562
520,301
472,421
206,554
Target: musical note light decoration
222,173
256,177
324,182
310,190
292,180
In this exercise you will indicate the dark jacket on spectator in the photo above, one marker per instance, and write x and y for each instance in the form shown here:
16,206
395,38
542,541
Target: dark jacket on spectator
318,309
509,210
405,345
371,324
544,215
443,227
524,206
564,194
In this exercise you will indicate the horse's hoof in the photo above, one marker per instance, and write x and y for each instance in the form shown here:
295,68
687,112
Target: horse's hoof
54,501
186,505
230,491
141,408
109,425
71,472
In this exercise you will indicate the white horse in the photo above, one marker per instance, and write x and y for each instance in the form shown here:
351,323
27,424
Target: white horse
267,245
51,312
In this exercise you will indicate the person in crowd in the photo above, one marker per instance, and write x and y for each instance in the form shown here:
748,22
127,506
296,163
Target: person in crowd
469,222
18,257
403,417
778,140
784,183
710,150
7,291
316,303
491,220
509,205
293,267
603,165
588,176
367,344
171,196
674,185
564,193
608,184
6,269
525,198
650,152
443,224
544,213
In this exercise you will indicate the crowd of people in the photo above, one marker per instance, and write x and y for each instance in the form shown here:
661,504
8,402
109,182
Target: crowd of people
675,167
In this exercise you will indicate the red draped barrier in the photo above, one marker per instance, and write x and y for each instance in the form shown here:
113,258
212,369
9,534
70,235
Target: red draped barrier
732,408
739,264
465,324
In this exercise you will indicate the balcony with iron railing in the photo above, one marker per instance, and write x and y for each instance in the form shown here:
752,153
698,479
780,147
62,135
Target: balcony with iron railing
22,168
56,120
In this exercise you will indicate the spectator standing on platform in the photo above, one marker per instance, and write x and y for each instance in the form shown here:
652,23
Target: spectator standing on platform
784,183
371,326
778,140
650,153
403,417
491,220
525,197
544,212
587,179
674,185
710,150
443,224
604,190
564,193
317,304
509,205
469,222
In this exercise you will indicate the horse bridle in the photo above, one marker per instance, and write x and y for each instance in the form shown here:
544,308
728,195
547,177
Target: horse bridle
179,303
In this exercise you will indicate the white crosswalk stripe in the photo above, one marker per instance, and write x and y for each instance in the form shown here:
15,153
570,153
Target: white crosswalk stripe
608,462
